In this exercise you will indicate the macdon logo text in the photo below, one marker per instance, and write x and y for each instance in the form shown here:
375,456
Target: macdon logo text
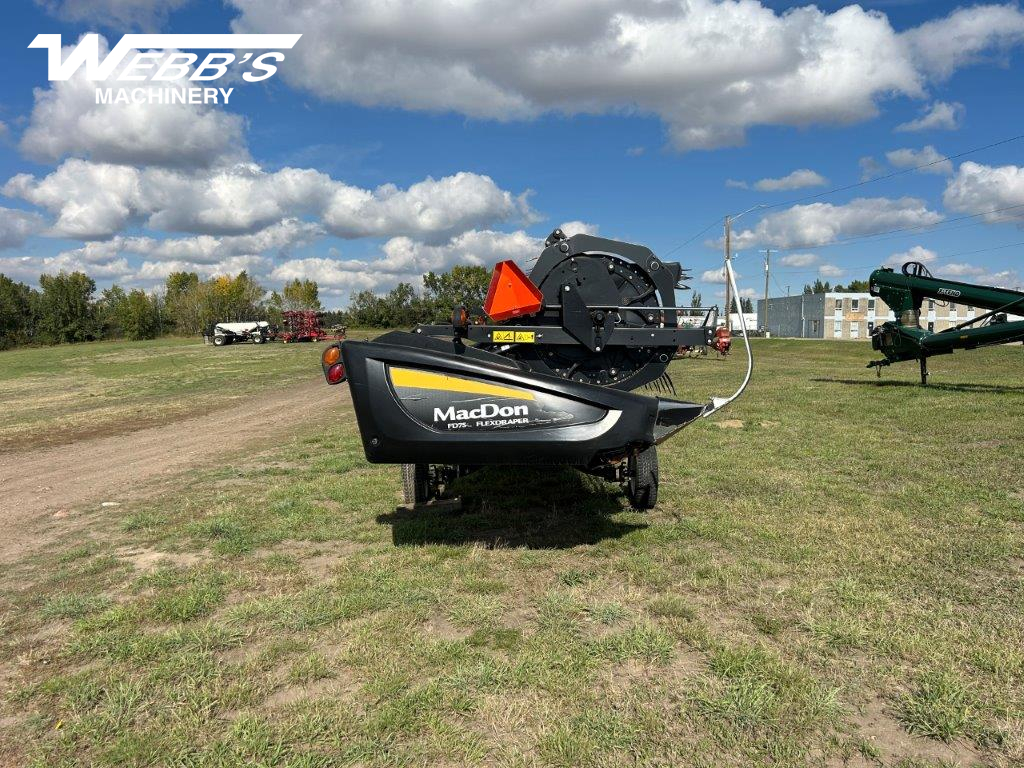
155,65
485,411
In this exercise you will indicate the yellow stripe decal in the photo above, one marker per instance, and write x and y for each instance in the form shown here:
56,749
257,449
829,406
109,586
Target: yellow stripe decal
406,377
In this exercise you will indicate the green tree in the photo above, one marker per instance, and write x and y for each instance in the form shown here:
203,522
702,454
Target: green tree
139,314
365,310
301,294
18,305
183,300
461,285
399,307
110,312
747,305
227,299
696,300
817,287
66,311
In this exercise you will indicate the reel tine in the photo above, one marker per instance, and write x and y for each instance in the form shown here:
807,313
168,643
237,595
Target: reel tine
662,384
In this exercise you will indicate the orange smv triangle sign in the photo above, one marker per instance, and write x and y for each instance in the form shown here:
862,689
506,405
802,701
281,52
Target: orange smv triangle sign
511,293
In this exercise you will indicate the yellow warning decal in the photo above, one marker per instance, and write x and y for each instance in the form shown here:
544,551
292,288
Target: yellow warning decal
407,377
516,337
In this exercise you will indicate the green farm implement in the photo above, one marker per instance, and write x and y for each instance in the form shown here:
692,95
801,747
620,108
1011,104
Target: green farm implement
905,339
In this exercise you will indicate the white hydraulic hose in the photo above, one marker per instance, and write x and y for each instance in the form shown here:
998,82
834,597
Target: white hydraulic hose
717,403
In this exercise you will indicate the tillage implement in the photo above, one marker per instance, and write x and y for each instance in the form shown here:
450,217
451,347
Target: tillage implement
543,373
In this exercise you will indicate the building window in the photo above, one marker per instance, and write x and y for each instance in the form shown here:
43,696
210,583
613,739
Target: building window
814,327
931,305
871,305
837,329
854,330
839,304
855,305
871,327
952,307
931,327
969,309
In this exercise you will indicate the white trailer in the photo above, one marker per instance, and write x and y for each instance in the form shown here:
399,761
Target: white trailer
256,331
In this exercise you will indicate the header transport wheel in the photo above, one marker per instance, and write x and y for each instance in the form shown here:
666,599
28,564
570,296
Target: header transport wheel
642,486
416,483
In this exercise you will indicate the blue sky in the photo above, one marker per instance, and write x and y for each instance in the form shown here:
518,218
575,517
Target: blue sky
632,126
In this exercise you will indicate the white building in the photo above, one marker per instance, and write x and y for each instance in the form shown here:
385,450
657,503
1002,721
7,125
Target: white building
849,315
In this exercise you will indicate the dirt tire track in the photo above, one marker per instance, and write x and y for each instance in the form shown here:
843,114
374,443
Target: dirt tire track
35,484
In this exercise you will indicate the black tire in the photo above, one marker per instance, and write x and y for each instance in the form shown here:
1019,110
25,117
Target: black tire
219,341
257,339
416,483
642,487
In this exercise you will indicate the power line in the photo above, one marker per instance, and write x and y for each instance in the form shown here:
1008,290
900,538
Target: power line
687,242
982,250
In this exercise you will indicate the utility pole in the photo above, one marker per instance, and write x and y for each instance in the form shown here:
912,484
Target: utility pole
767,256
728,256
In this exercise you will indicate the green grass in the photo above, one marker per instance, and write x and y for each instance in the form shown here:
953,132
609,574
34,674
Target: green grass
56,395
835,578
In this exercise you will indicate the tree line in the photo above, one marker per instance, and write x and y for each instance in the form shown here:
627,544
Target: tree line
67,308
855,286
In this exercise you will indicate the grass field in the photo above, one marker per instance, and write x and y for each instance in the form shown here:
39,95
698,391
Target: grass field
56,395
833,576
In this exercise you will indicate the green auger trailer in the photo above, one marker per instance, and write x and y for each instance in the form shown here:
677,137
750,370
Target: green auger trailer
905,339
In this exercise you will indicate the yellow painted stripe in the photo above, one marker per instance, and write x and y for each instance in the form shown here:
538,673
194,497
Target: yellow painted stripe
407,377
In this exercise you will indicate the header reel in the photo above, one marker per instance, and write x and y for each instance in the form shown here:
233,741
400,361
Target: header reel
600,312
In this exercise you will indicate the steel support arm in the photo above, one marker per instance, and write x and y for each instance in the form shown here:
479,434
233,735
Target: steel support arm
550,334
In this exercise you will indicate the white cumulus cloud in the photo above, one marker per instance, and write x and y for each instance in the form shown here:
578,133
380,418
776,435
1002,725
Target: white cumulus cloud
403,259
820,223
98,200
937,116
67,122
985,189
717,276
975,273
831,270
966,35
927,160
798,179
571,228
798,260
708,69
916,253
17,226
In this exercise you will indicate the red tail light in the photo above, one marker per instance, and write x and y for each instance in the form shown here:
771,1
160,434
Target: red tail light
336,374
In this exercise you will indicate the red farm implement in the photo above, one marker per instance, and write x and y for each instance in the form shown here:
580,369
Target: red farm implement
306,325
